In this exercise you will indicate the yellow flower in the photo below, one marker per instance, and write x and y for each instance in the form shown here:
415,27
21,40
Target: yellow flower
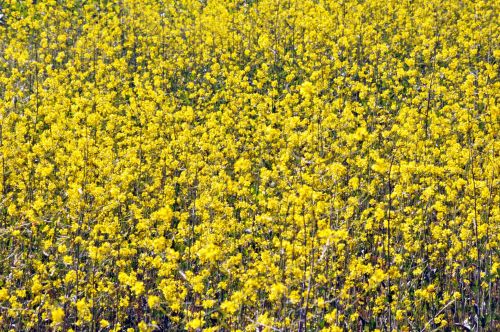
277,291
195,323
4,294
138,288
57,315
103,323
153,301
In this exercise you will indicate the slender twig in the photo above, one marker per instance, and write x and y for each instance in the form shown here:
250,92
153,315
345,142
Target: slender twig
437,314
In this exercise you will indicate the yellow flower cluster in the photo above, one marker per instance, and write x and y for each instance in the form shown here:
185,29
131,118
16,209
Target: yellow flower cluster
242,165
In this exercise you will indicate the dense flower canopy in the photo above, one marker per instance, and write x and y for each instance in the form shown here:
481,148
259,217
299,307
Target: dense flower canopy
269,165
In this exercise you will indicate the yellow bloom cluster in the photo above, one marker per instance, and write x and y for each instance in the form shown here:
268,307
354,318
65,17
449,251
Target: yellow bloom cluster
242,165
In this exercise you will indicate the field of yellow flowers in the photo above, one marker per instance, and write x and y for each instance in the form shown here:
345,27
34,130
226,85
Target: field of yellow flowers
239,165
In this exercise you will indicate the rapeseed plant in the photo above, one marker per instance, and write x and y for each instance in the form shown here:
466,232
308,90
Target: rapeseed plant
267,165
